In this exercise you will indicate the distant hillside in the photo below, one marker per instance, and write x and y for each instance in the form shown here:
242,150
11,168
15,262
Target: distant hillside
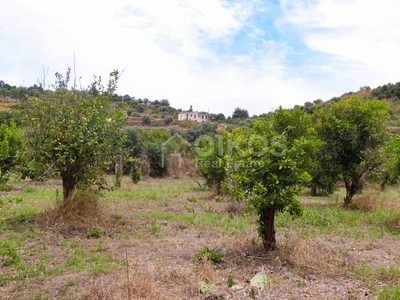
389,92
145,112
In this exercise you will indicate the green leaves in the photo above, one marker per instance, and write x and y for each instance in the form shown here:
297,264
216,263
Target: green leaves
352,132
73,133
272,179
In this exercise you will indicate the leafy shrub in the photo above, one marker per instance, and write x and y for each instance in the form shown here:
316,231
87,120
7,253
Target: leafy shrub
146,120
135,175
94,233
8,253
168,120
214,255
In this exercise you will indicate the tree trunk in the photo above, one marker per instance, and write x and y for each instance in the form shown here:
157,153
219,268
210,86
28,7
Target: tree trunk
313,191
267,219
69,184
383,183
352,186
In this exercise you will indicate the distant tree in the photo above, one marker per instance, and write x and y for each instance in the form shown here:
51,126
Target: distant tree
127,98
153,140
240,113
199,129
11,149
217,117
168,120
140,108
210,159
318,101
146,120
164,102
133,142
353,132
390,170
73,133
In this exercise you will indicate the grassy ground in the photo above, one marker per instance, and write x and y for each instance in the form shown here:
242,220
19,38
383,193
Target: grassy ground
145,246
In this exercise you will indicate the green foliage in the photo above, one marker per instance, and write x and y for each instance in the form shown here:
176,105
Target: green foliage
253,293
73,133
217,117
353,132
389,293
146,120
391,167
158,166
269,168
240,113
230,281
133,149
168,120
8,252
135,174
206,254
8,116
94,233
199,129
210,160
297,123
153,140
11,150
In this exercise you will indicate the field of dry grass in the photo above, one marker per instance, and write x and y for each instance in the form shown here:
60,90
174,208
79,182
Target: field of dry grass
143,246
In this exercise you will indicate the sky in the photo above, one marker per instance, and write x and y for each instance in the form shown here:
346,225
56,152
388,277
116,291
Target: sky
215,55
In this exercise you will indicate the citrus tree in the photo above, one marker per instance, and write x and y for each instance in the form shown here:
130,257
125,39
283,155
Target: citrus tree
353,132
73,133
269,168
210,160
11,149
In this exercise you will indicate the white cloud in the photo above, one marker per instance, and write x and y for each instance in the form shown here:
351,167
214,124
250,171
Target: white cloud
363,34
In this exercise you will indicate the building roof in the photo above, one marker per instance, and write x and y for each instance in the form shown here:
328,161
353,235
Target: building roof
194,112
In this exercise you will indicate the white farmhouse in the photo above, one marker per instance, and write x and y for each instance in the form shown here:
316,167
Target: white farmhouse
193,116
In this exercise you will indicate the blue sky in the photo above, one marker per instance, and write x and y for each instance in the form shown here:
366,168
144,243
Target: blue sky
213,54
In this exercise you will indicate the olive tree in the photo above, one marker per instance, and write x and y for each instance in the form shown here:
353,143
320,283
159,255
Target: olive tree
73,133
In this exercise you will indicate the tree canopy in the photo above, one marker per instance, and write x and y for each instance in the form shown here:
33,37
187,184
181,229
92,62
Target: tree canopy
73,133
353,131
240,113
269,168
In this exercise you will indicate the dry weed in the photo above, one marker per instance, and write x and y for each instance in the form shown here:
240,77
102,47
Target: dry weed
180,166
366,202
238,245
79,214
372,200
234,207
393,222
314,256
